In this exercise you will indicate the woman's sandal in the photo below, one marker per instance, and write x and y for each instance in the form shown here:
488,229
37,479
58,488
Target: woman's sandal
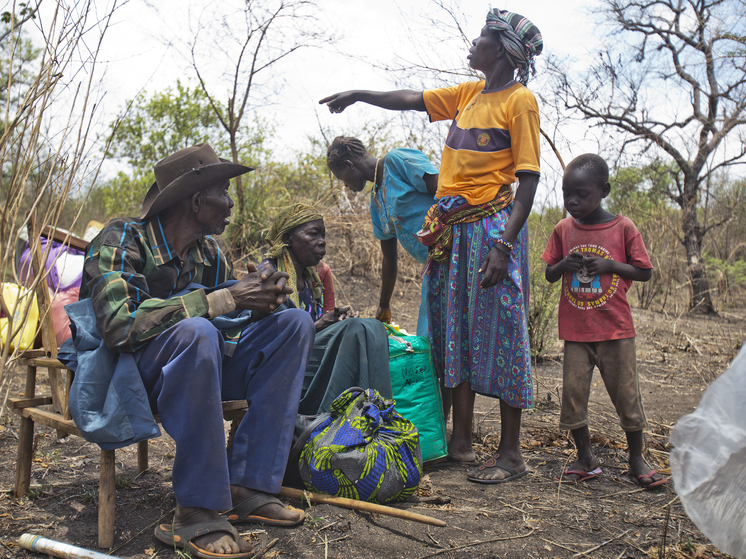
491,462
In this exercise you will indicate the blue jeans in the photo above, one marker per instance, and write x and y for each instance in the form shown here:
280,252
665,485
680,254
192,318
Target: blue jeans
187,377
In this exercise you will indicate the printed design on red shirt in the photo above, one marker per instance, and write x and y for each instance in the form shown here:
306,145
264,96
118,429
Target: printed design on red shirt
586,291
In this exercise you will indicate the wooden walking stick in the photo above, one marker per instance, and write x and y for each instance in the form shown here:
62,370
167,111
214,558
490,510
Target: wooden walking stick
360,505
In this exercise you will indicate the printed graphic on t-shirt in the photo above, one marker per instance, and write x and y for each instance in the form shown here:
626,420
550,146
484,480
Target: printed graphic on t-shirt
585,291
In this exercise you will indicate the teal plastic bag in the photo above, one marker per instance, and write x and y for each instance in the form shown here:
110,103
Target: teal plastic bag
416,391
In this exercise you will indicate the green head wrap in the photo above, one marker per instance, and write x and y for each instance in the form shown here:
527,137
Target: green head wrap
287,220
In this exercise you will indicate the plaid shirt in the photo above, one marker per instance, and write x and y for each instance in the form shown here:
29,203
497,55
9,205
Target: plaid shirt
132,275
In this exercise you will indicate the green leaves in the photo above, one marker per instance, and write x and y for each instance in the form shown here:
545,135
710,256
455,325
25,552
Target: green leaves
26,12
157,126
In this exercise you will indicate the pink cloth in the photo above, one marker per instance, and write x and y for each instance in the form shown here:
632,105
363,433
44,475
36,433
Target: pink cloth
595,308
325,273
60,318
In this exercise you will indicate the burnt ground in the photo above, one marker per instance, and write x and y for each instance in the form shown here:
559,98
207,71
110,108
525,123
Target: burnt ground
534,517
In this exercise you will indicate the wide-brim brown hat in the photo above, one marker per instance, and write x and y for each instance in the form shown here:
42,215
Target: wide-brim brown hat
184,173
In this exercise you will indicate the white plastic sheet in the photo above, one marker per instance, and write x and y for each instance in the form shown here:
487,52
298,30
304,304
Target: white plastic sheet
708,461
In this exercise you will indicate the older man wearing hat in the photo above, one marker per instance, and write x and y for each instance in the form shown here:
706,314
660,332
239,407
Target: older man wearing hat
161,292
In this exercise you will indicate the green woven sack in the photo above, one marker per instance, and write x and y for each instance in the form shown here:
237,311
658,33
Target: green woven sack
416,391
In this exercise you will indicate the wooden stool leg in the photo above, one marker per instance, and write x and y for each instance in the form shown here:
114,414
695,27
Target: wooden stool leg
232,434
26,440
106,500
142,456
25,455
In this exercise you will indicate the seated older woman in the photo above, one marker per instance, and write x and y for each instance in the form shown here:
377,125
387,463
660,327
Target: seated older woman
347,351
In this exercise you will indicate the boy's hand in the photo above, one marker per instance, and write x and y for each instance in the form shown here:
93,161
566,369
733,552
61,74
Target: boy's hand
597,265
572,262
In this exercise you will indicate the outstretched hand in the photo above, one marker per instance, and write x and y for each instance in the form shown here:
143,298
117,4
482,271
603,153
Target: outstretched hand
339,101
256,292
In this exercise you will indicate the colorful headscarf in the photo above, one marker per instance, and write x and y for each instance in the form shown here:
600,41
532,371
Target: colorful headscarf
521,39
287,220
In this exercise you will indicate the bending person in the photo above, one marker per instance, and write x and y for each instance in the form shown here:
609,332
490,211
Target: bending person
347,351
477,271
404,186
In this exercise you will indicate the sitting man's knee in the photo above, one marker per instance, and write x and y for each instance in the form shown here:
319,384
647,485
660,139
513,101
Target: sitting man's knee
197,328
299,321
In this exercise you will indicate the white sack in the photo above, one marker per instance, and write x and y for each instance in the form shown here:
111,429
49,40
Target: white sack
708,461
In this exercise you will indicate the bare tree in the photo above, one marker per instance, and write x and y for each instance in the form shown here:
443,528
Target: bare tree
46,135
674,79
244,45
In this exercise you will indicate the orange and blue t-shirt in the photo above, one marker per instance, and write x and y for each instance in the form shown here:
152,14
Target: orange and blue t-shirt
494,135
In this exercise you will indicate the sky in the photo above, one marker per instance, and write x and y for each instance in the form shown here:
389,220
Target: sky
146,49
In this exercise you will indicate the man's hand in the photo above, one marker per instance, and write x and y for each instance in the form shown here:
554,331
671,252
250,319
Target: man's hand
265,268
384,314
495,268
254,293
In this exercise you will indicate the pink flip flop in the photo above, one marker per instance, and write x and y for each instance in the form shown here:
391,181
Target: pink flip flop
584,476
653,484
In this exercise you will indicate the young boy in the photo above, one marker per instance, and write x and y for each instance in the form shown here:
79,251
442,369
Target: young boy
598,255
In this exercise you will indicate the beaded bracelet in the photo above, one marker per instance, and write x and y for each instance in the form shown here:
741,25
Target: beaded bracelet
500,241
502,249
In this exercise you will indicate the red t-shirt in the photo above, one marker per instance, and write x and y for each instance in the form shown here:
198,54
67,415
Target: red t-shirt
595,308
325,274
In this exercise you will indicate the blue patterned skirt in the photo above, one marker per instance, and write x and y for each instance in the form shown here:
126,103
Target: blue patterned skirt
480,335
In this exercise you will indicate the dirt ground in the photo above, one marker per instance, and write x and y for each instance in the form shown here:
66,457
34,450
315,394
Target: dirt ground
536,517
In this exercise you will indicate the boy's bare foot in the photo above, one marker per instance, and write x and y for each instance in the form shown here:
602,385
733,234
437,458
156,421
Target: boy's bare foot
215,542
499,469
273,511
644,475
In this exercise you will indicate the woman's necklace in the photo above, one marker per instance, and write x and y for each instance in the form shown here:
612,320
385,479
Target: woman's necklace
375,174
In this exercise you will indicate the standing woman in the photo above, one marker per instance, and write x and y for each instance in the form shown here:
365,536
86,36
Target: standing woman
477,269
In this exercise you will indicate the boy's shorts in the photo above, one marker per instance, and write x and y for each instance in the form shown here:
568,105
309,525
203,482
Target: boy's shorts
617,362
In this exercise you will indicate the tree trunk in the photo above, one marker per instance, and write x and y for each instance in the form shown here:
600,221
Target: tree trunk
700,301
239,179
